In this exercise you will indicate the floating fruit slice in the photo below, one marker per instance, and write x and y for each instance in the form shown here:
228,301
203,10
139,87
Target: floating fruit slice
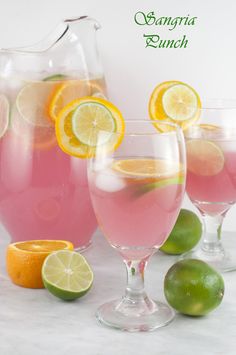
145,167
4,114
204,157
32,101
174,101
37,137
65,93
67,275
79,123
55,77
25,260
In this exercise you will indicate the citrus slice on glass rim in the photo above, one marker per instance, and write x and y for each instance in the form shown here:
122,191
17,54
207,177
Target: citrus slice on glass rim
174,102
78,126
204,157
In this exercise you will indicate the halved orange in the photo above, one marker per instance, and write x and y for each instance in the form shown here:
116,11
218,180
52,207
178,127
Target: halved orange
24,260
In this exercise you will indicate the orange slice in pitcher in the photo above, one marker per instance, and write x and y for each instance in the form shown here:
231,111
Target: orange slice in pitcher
174,102
66,92
79,123
26,133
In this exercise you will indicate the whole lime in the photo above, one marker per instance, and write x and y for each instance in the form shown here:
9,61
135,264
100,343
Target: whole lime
185,235
193,287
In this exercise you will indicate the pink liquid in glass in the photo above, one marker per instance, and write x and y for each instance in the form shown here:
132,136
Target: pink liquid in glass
130,213
212,193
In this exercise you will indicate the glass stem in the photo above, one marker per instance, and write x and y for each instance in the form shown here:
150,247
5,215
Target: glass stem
212,233
135,280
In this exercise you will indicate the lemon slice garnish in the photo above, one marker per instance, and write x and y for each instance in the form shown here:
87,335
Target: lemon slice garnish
174,102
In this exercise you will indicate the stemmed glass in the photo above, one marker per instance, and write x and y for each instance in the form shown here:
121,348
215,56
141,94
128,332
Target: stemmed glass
136,193
211,177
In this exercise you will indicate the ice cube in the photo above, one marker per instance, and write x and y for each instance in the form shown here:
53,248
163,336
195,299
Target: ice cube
109,182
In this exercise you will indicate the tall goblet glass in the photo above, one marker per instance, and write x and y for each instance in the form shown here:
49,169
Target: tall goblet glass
136,193
211,177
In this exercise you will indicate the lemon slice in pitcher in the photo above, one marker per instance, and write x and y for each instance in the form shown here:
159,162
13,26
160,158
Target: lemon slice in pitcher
78,126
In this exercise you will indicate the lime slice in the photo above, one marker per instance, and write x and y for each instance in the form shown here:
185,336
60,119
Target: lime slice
142,189
89,119
180,102
4,114
87,122
204,157
32,101
67,275
55,77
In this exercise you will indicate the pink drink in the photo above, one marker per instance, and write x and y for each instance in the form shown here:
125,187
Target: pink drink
134,211
212,190
43,191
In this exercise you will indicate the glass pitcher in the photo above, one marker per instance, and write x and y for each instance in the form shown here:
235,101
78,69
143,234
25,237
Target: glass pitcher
43,191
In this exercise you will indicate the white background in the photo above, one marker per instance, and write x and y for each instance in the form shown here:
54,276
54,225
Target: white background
132,71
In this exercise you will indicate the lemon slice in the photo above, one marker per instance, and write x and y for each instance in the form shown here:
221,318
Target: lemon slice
79,124
204,157
174,101
32,100
146,167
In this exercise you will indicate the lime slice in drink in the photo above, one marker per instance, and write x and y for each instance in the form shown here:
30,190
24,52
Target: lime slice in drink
55,77
176,180
4,115
67,275
32,102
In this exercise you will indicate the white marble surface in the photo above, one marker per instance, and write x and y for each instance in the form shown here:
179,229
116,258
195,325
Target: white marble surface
33,322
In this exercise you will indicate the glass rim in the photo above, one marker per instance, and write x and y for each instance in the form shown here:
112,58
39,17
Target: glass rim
218,104
176,128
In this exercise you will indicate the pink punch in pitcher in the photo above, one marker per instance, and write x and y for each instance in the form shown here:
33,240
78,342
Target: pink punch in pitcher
43,191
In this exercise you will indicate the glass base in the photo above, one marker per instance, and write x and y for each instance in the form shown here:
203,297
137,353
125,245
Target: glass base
142,317
222,261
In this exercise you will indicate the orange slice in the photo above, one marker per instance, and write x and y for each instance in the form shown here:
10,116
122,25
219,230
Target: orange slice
37,137
174,101
145,167
66,92
80,123
25,259
204,157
